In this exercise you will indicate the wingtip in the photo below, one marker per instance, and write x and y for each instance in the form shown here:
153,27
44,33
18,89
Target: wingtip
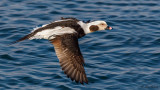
77,81
86,82
82,83
72,79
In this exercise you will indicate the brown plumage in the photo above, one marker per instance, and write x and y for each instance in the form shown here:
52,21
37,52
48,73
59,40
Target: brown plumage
64,35
72,23
94,28
70,57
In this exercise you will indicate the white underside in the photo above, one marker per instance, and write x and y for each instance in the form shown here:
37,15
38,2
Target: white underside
51,33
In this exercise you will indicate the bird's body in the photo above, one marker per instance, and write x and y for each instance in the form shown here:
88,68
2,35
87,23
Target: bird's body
64,35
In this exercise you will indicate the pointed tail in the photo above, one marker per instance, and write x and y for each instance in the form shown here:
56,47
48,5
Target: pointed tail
21,39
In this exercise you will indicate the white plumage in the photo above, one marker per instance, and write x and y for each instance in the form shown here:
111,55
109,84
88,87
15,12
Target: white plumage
62,35
51,33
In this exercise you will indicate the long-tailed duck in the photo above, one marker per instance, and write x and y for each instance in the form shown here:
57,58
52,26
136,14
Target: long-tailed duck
64,35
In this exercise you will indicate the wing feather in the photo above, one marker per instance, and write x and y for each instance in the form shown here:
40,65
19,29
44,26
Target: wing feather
70,57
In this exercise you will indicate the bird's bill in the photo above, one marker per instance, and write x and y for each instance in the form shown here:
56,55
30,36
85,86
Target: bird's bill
108,28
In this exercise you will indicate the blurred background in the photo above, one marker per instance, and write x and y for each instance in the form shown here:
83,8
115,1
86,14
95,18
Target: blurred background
125,58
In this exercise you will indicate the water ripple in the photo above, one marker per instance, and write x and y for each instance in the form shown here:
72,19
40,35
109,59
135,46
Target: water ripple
125,58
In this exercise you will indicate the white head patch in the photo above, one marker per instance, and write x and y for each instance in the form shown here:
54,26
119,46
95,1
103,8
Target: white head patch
86,26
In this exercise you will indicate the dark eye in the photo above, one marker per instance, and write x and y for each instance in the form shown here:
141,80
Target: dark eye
102,23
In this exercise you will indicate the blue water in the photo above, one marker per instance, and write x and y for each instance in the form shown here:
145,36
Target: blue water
125,58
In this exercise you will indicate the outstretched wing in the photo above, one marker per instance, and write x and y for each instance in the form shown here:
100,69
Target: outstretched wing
70,58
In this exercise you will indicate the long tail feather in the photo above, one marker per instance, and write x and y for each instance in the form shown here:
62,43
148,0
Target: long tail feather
21,39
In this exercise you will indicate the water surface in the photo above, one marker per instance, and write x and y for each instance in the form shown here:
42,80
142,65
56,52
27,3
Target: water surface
125,58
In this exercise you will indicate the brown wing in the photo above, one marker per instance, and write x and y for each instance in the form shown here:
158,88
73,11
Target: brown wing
70,57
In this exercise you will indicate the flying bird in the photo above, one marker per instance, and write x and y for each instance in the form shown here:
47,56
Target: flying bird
64,35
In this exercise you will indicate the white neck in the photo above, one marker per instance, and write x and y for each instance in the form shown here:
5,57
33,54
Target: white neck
85,27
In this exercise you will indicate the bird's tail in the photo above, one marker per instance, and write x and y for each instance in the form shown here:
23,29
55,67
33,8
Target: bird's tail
21,39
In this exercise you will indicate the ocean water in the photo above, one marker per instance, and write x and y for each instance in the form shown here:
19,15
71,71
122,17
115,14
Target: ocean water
125,58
